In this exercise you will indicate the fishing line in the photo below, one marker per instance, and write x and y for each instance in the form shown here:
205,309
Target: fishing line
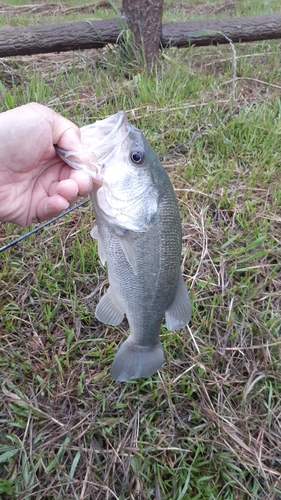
202,132
84,202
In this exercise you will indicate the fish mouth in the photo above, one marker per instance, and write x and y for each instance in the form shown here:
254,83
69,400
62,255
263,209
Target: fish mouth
98,141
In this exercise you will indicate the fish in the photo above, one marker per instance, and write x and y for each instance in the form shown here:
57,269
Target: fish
139,236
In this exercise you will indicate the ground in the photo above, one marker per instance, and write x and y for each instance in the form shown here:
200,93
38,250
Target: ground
207,425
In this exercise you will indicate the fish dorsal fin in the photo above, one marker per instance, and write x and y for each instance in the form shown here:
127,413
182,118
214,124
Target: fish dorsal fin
179,313
129,249
101,250
108,311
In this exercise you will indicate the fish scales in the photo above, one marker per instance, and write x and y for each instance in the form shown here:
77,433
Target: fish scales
139,236
145,295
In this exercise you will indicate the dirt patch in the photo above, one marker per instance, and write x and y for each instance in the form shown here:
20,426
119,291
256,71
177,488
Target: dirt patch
199,9
206,9
53,63
11,11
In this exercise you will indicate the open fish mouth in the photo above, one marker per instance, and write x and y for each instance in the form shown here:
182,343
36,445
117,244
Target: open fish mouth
99,140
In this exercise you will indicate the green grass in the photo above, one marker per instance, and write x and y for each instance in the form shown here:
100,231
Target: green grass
207,425
51,12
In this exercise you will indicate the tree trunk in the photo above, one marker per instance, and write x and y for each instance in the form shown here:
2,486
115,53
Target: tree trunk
144,19
38,39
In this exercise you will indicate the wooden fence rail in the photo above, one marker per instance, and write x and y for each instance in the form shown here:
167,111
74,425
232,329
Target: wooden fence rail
26,40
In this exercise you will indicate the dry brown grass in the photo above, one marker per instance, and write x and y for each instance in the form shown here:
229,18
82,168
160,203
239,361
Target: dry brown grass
207,426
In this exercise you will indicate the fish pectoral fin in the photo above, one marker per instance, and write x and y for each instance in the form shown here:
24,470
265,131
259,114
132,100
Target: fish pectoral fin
108,311
179,313
101,250
129,249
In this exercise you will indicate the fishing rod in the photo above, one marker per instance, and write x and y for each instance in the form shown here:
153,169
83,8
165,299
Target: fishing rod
84,202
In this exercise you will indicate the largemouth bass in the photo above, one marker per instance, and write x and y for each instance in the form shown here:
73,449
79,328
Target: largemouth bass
139,236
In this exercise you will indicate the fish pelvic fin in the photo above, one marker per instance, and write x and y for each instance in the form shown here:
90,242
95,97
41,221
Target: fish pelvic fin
134,361
108,311
179,312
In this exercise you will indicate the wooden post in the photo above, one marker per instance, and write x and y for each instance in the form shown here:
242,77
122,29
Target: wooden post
144,19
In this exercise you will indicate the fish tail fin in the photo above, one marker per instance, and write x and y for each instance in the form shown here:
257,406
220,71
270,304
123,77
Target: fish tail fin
134,361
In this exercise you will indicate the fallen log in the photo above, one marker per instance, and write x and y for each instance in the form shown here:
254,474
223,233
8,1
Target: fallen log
215,31
38,39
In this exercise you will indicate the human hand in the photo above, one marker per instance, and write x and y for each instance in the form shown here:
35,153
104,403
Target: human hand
35,183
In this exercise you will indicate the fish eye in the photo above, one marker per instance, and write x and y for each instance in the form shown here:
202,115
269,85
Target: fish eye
137,156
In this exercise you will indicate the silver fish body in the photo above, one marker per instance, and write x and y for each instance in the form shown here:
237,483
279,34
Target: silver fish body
139,236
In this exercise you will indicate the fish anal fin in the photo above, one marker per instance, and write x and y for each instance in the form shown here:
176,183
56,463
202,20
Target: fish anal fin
134,361
101,250
108,311
179,312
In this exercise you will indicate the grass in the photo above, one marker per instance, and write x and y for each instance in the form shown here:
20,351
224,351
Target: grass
206,426
23,12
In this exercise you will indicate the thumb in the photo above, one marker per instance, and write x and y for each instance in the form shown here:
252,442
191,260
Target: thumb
68,136
64,132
